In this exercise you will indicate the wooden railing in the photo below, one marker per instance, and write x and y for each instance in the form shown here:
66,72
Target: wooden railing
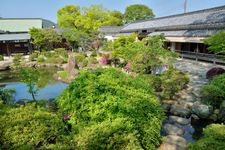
216,59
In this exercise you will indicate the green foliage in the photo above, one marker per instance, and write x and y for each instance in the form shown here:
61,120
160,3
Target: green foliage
216,42
112,110
63,74
45,38
30,77
41,58
214,92
213,138
33,56
138,12
56,60
6,96
78,38
1,58
92,60
87,19
29,127
172,81
94,53
143,55
17,62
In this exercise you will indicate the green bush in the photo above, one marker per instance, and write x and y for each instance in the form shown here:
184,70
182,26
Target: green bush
29,127
214,92
1,58
92,60
94,53
172,81
41,58
61,52
112,110
55,60
33,56
63,74
80,57
6,95
213,138
17,62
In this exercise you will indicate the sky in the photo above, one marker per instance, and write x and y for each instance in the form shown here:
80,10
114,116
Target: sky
47,9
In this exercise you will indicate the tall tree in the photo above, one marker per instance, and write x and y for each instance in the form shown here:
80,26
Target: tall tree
138,12
44,38
87,19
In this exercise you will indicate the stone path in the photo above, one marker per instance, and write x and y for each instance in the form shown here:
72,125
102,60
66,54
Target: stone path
177,129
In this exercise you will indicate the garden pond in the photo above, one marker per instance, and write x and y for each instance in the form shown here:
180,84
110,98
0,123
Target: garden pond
49,88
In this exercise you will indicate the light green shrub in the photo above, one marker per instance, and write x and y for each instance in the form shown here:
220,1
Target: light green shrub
33,56
213,138
41,58
1,58
112,110
55,60
214,92
172,81
29,127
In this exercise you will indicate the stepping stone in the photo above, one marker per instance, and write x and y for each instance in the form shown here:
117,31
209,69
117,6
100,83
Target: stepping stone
171,129
180,110
173,142
180,120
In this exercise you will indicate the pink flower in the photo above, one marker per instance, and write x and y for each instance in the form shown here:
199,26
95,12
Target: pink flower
66,116
104,61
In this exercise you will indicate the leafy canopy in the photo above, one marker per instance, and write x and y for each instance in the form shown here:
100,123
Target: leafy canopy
112,110
142,55
45,38
216,42
87,18
137,12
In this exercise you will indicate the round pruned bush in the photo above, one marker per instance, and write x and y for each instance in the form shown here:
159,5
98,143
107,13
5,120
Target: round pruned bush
213,138
29,127
112,110
214,92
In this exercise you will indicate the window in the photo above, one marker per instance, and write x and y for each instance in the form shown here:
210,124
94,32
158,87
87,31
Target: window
17,45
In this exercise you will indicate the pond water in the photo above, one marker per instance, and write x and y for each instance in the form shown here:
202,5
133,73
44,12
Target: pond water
48,87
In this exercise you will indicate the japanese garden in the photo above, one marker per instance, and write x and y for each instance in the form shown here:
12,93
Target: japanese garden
96,81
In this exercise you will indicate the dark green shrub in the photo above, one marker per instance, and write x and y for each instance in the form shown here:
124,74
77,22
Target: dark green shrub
112,110
6,96
172,81
94,53
213,138
1,58
214,92
29,127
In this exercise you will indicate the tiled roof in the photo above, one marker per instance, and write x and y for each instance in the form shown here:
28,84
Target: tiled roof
185,33
12,37
210,18
110,29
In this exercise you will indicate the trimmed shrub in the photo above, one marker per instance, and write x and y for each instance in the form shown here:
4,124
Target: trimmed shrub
29,127
55,60
214,71
1,58
92,60
41,58
63,74
94,53
172,81
213,138
214,92
112,110
33,56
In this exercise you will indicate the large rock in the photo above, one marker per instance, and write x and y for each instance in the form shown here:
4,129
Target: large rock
173,142
202,110
4,65
180,110
222,111
180,120
171,129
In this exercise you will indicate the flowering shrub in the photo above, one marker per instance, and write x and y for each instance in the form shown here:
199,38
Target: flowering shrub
104,61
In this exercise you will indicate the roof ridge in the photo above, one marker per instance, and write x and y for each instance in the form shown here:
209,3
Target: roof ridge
181,14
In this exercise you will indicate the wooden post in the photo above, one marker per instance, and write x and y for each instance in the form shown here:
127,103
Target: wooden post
7,48
196,53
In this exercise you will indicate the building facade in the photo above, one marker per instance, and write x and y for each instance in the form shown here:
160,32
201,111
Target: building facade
14,36
184,32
